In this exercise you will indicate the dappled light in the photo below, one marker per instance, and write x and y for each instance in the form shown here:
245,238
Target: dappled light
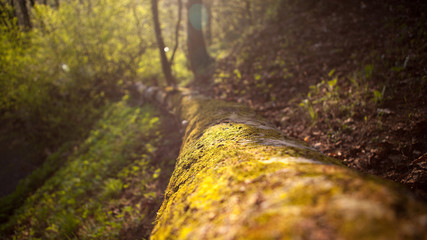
213,119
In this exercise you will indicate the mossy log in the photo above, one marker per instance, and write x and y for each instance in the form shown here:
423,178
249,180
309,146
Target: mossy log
238,177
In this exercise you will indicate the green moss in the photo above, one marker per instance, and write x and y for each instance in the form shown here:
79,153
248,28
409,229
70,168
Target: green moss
237,177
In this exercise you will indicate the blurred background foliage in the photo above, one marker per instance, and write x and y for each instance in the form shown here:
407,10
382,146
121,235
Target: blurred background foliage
75,56
63,63
73,60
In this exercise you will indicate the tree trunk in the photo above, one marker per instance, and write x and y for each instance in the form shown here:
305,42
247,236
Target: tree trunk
170,80
26,22
199,58
238,177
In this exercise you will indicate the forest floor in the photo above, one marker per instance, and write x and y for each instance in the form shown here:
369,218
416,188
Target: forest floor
348,77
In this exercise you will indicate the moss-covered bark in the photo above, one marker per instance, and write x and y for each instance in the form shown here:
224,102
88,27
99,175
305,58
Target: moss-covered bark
238,177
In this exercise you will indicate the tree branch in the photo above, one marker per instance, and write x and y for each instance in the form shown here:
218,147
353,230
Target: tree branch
178,24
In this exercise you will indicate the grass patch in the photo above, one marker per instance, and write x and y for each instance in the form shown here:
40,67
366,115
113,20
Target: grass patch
110,185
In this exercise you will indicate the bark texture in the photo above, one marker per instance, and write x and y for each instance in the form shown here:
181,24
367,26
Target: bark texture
238,177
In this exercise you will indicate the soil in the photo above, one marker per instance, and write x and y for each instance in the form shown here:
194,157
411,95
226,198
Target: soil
374,118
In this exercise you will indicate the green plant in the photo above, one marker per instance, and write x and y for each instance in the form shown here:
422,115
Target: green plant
112,187
379,96
306,104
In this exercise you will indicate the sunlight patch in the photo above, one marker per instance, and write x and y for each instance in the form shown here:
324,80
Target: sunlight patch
279,142
291,160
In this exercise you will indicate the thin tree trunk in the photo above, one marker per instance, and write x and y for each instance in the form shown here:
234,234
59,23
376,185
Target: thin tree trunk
170,80
199,57
26,22
178,25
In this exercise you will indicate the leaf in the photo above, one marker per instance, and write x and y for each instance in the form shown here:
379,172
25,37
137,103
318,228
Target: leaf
237,73
331,72
332,83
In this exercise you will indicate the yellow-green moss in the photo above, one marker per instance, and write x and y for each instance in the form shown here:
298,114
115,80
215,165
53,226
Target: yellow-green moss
237,177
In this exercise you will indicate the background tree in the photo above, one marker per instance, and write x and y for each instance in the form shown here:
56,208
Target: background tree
166,67
25,16
200,60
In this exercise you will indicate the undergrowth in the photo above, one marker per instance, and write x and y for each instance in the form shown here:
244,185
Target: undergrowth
327,99
108,186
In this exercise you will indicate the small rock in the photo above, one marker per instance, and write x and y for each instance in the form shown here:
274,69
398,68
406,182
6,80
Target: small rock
184,123
384,111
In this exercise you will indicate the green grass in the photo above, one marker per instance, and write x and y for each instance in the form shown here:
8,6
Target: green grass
107,186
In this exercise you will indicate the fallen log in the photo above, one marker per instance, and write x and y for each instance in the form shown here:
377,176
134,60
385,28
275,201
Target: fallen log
238,177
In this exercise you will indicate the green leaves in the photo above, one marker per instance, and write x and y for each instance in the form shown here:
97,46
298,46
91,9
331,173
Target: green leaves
332,83
112,187
56,79
306,104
